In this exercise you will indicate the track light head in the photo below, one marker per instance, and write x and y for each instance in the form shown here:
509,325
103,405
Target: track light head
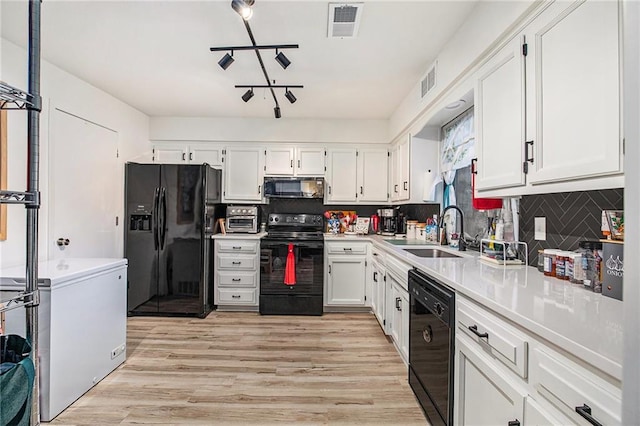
226,61
283,60
290,96
276,112
243,8
247,95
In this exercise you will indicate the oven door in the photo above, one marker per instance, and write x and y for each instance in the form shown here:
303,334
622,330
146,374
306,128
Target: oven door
308,261
247,224
430,359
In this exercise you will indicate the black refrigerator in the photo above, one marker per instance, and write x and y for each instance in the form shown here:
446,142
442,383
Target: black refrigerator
171,212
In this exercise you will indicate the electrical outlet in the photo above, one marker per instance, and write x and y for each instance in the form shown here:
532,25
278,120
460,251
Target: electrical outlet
117,351
540,228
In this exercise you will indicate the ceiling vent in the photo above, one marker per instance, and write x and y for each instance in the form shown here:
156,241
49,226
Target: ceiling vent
429,82
344,19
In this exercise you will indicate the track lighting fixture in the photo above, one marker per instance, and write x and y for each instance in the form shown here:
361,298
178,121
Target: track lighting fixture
247,95
226,61
290,96
243,8
282,59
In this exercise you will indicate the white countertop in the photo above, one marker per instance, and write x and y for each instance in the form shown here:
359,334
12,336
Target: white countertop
55,272
238,236
586,324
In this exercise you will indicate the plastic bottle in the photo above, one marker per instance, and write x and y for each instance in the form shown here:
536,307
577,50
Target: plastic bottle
507,218
500,230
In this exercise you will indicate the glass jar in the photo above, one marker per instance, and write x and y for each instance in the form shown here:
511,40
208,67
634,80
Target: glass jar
591,252
541,260
411,229
576,275
562,258
550,262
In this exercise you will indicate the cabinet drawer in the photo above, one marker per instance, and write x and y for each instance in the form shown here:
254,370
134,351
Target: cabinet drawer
568,385
237,262
238,246
378,255
236,279
494,335
346,248
229,296
400,270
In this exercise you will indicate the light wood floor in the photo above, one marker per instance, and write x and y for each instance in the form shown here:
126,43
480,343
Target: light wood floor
245,368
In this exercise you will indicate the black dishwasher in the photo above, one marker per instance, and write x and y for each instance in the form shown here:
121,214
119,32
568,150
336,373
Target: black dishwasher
431,346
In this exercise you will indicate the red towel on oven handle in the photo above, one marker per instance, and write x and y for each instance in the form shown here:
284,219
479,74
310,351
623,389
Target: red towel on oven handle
290,268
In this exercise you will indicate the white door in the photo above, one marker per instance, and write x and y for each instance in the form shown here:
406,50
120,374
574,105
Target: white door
483,394
170,154
243,174
500,119
342,176
279,161
346,280
573,65
205,154
404,168
405,307
377,292
373,176
394,173
85,188
310,161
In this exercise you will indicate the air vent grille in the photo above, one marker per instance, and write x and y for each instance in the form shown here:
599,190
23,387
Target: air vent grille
429,82
344,19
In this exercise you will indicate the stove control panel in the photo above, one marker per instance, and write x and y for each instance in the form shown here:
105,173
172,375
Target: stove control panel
293,220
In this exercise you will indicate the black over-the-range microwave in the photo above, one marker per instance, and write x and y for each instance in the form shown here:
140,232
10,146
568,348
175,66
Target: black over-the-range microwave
294,187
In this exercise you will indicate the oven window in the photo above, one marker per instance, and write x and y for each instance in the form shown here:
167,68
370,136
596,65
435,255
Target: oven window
308,269
429,354
241,223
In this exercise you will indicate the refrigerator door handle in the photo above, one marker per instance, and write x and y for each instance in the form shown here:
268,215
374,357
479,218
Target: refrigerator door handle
163,229
156,219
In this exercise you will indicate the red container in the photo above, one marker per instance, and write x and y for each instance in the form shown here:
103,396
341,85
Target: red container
482,203
374,222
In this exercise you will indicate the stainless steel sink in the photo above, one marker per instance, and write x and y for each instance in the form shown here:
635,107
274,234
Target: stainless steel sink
431,252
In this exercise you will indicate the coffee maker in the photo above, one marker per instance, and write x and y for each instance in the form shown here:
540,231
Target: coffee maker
388,221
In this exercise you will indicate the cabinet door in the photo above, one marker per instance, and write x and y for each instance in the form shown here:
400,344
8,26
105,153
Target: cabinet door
310,161
243,174
404,166
484,394
500,119
574,63
279,161
341,174
346,280
404,326
396,317
170,154
377,293
394,172
373,177
202,154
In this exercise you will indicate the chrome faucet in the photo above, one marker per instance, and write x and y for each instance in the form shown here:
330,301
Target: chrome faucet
461,244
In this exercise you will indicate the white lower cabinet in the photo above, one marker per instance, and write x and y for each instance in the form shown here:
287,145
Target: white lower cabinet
345,280
377,274
236,279
399,318
483,391
505,374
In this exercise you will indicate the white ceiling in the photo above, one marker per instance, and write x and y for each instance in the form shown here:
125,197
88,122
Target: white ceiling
154,55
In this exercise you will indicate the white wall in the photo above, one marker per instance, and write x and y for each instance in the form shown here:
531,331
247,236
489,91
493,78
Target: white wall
487,22
268,130
63,91
631,366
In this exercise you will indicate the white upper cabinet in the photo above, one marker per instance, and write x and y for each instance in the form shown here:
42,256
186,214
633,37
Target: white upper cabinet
500,119
279,161
243,174
373,176
310,161
574,95
188,154
400,169
341,175
294,161
357,175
